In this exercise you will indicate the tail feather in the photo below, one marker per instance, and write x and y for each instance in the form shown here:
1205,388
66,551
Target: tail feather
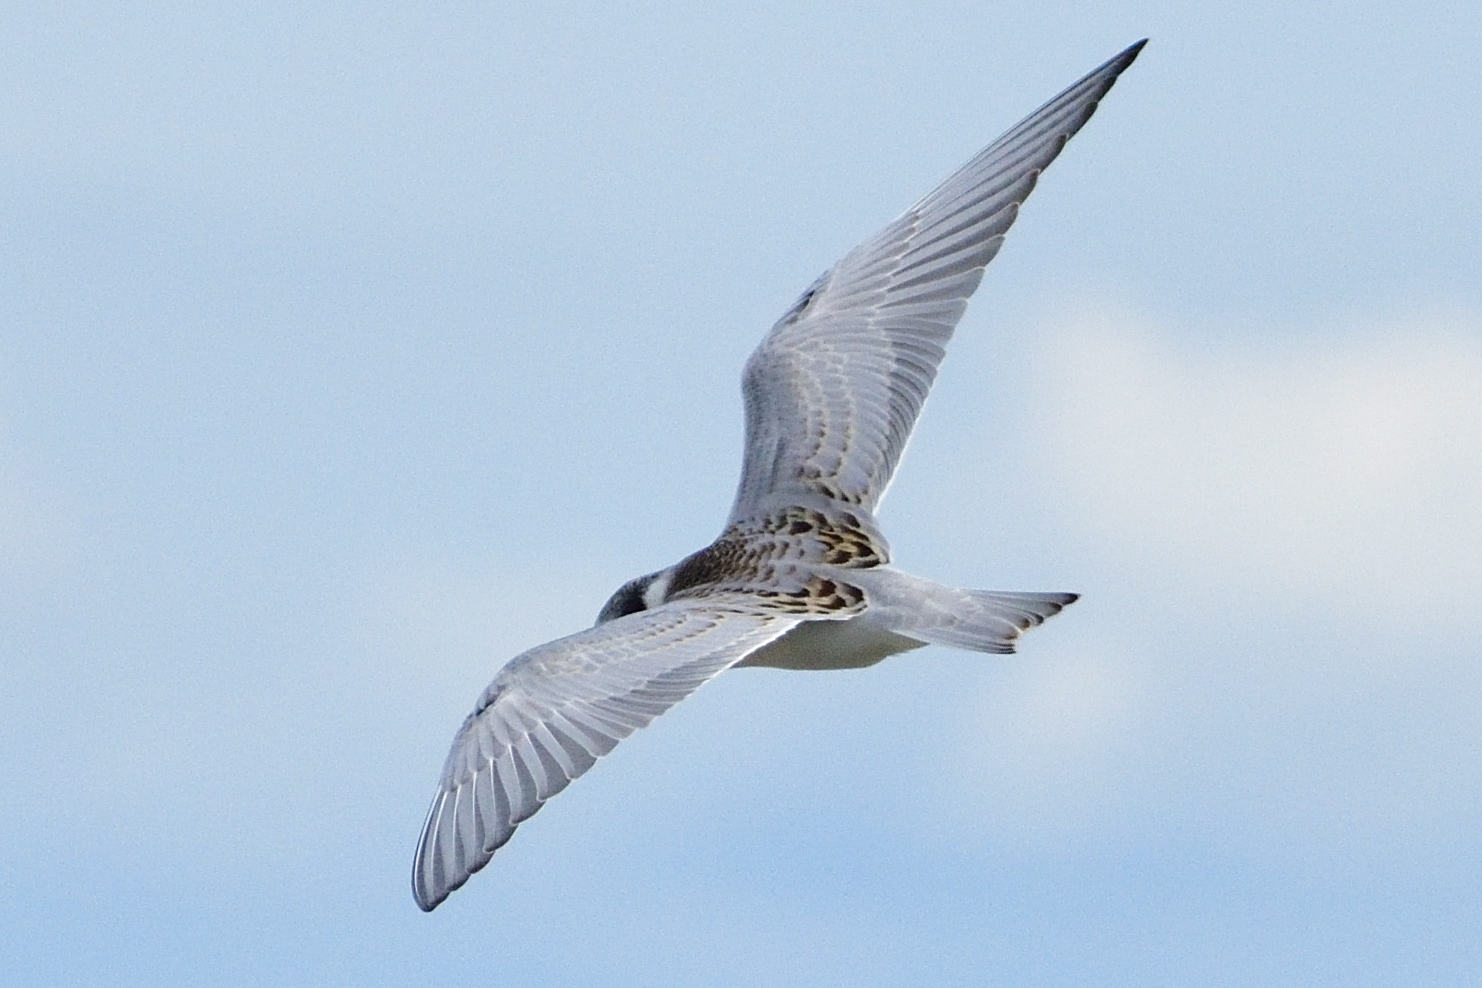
990,620
976,620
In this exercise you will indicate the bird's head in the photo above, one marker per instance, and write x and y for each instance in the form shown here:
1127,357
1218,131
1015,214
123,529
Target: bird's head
638,594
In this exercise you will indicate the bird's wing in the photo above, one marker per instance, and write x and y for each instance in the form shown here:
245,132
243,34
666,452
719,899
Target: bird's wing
553,711
835,387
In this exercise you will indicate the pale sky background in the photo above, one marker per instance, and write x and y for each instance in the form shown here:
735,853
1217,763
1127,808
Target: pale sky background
347,350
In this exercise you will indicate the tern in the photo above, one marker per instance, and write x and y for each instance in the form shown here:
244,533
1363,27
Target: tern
800,578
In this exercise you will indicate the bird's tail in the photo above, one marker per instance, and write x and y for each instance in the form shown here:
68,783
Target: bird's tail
977,620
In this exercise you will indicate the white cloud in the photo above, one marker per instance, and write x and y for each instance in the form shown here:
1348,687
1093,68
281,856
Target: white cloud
1281,548
1340,465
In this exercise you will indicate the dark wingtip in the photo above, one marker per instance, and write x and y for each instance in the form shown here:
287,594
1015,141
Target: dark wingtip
1118,63
1101,80
424,902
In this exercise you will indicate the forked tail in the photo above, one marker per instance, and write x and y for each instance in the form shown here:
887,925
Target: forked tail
977,620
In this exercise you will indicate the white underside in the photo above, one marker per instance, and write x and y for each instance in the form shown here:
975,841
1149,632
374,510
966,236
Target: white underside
852,644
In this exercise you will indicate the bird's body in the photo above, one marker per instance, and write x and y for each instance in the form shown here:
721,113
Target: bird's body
800,578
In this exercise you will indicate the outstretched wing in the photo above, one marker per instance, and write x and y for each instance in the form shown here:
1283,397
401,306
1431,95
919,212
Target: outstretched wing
835,387
553,711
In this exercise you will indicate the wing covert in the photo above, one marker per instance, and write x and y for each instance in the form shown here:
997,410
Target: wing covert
834,389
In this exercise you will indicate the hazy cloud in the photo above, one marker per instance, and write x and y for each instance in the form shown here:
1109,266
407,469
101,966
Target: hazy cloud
1344,464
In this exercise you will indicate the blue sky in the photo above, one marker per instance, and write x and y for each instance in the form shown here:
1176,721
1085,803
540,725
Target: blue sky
348,351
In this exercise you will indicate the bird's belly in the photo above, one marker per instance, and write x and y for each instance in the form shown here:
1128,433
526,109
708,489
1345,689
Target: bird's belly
851,644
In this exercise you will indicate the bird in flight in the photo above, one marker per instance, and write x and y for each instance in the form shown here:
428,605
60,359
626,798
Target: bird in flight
801,577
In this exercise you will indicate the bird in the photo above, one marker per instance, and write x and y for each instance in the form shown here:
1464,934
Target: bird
800,577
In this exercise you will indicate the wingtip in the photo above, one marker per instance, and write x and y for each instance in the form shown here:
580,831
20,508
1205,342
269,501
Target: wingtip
427,900
429,884
1119,62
